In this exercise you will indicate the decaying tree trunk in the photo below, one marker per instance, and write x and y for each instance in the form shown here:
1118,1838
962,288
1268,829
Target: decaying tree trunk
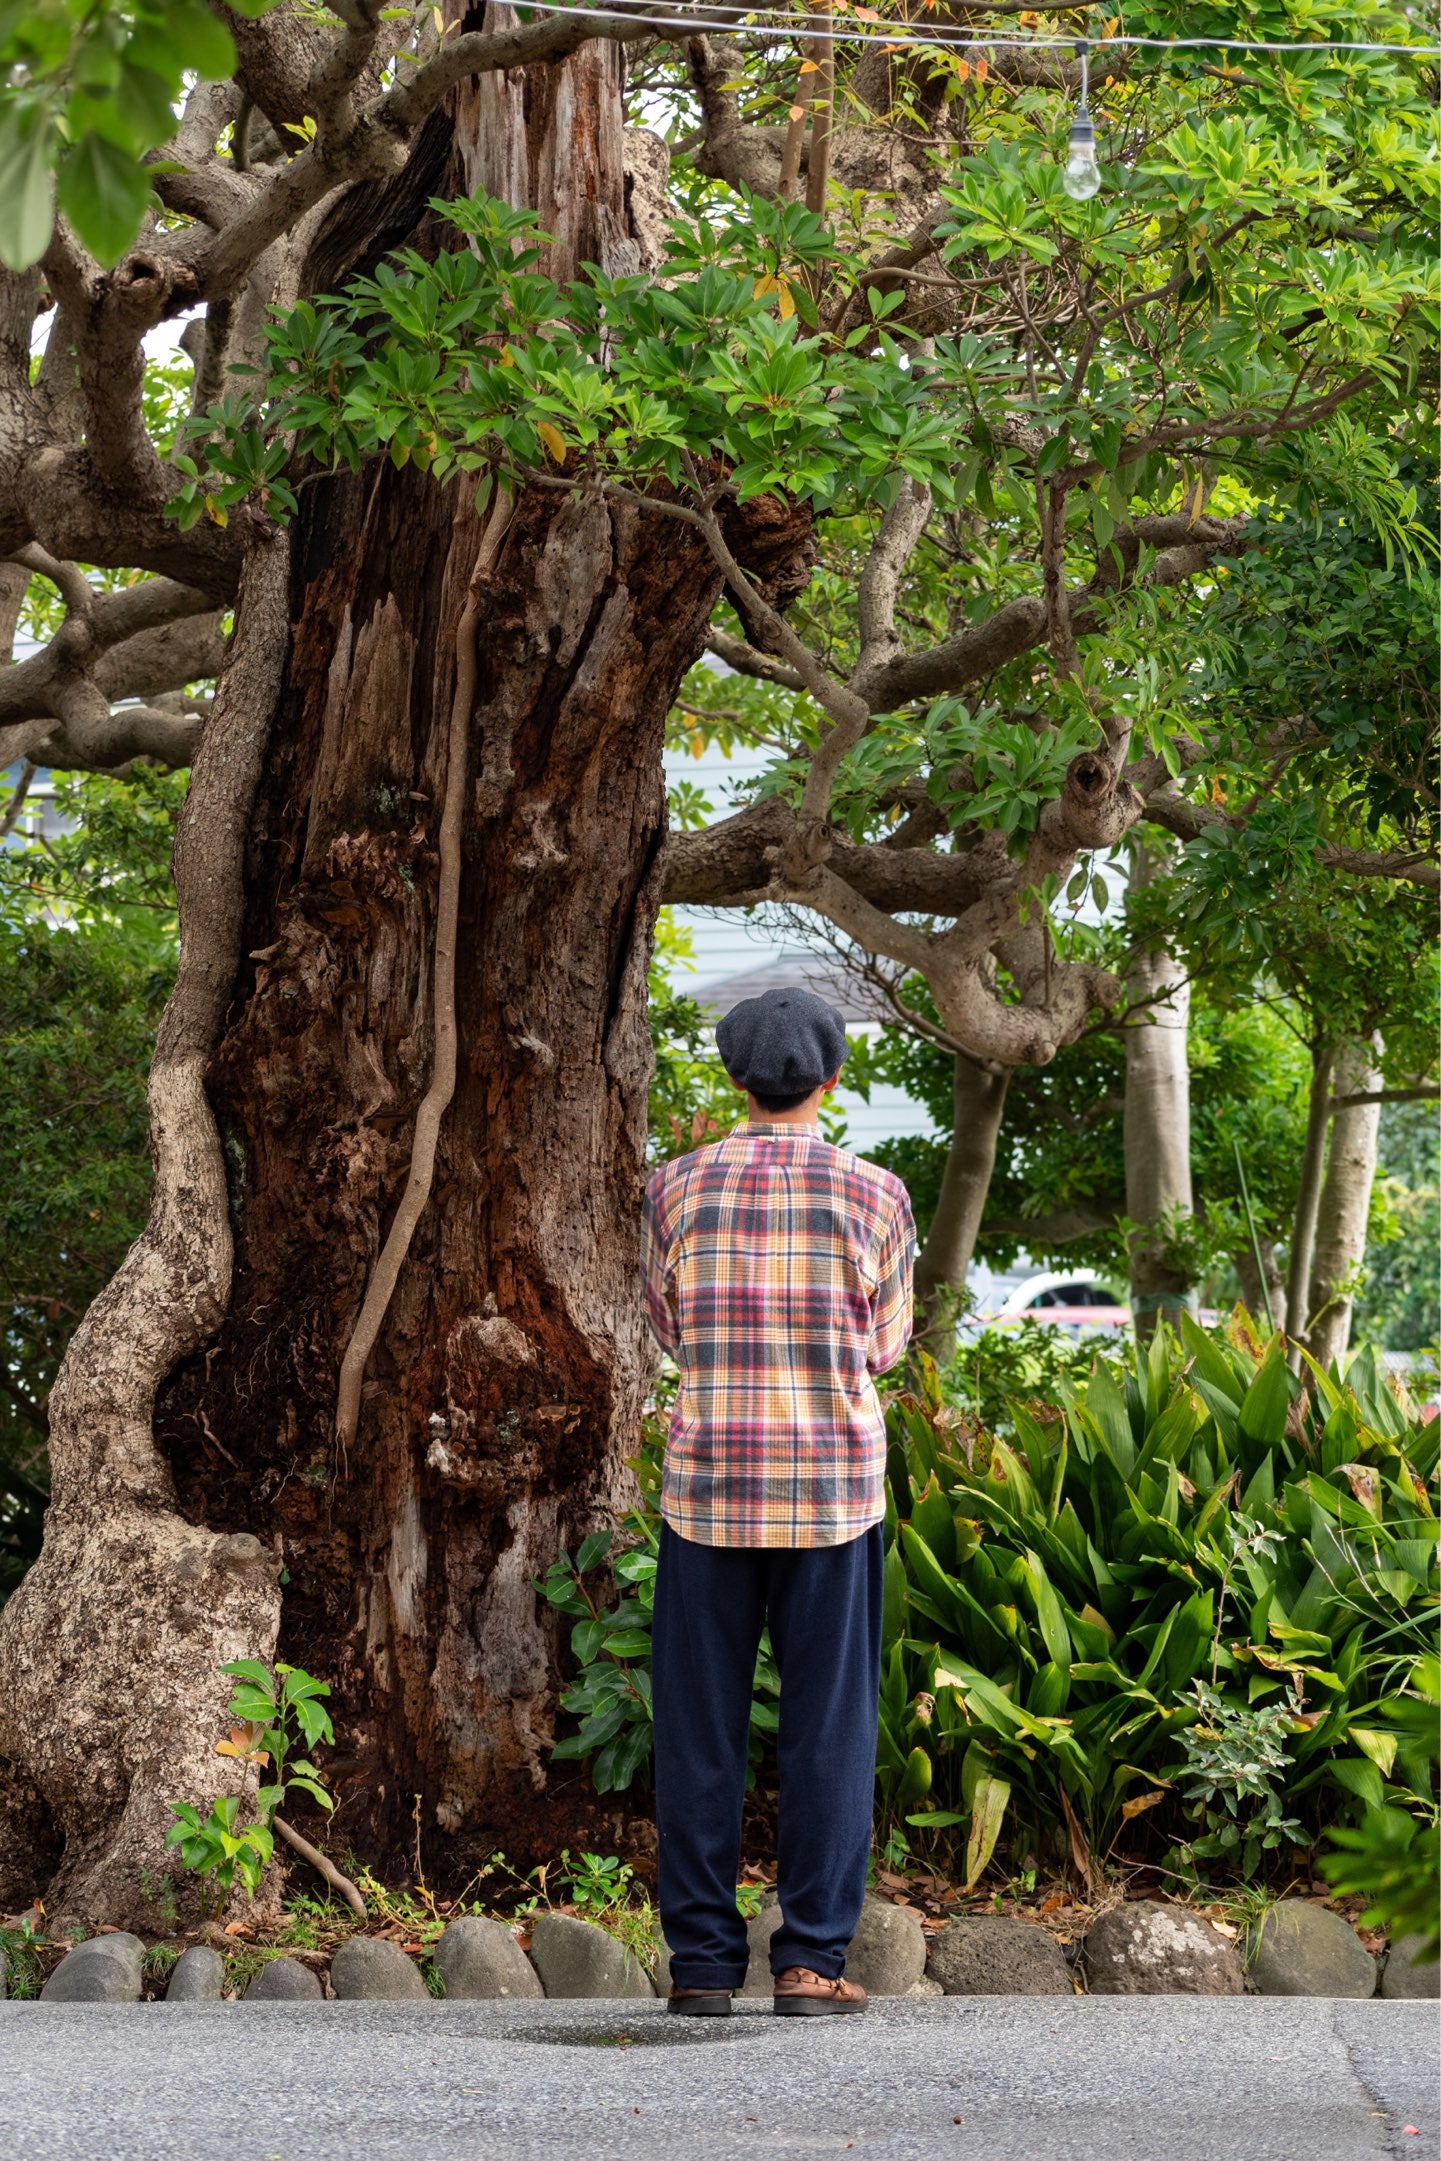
944,1261
1157,1128
505,1387
1345,1201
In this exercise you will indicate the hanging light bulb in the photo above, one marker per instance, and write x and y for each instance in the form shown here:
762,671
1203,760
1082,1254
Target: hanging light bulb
1081,176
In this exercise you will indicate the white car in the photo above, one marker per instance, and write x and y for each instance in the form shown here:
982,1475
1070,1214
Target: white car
1077,1301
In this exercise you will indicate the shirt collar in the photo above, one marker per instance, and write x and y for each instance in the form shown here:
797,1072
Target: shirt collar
773,1126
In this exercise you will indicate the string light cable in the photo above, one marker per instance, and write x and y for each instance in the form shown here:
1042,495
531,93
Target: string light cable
1081,174
800,23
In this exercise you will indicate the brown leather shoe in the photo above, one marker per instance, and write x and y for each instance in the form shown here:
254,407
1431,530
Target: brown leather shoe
803,1994
700,2002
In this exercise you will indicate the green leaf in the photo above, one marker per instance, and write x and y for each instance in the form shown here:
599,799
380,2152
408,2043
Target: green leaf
988,1808
916,1778
1359,1776
592,1550
250,1669
1262,1416
103,191
27,189
187,36
629,1643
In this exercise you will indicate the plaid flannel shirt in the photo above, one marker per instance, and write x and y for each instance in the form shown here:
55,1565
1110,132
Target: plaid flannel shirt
777,1273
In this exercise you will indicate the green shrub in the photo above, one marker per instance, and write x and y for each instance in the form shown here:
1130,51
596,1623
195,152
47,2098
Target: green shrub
611,1694
1199,1517
1191,1589
1392,1858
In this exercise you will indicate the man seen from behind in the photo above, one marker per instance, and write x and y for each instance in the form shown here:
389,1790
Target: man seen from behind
777,1273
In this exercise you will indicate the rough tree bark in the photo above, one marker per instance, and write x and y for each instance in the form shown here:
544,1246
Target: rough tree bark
1156,1127
1345,1200
109,1707
505,1388
944,1261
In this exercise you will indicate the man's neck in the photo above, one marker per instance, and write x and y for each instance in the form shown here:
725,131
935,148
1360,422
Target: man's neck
804,1114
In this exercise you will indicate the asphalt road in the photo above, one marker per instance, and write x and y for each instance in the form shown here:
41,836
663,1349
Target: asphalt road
1158,2078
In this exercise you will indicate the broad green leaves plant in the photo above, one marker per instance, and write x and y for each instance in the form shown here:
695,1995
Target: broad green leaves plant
1190,1588
611,1695
472,362
1053,1605
275,1713
1392,1857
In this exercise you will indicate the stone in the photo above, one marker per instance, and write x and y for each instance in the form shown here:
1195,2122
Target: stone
478,1957
284,1980
575,1958
1147,1949
198,1976
993,1954
1305,1950
925,1987
760,1928
887,1953
660,1975
1401,1978
371,1969
103,1969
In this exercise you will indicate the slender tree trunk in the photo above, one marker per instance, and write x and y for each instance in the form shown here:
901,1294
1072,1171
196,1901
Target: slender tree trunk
504,1390
1157,1129
1345,1201
1308,1198
944,1261
1244,1262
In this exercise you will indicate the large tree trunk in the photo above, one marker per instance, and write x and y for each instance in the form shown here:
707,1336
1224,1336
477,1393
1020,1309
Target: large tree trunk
1157,1129
944,1261
505,1387
1345,1201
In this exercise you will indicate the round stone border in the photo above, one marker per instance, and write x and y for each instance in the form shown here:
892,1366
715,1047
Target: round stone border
1299,1947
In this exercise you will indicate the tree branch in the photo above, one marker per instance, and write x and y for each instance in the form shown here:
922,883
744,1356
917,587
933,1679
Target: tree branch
749,660
890,552
1061,1227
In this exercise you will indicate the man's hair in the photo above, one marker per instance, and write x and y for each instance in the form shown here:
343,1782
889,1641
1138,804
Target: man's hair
785,1103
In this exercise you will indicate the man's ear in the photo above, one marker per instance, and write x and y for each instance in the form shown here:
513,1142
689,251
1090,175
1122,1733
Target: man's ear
833,1082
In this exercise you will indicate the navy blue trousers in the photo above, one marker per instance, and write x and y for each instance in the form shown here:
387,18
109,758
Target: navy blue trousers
823,1607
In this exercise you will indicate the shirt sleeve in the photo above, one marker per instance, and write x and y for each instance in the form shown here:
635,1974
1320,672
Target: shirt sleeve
659,1290
891,1322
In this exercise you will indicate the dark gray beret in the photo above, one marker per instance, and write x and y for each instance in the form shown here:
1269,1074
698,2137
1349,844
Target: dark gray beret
785,1042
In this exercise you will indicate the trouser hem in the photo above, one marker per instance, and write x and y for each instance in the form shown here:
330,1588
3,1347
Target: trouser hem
704,1977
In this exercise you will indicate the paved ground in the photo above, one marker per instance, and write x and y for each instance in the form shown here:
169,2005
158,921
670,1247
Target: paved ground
1030,2079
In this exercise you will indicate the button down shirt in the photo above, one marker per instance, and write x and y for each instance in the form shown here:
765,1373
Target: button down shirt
777,1273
